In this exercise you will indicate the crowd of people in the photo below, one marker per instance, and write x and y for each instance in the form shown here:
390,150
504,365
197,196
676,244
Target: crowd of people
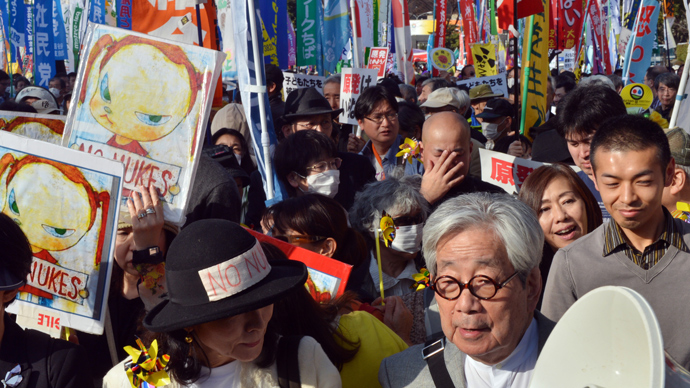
522,258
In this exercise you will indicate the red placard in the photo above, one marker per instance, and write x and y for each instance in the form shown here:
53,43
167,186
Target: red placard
570,23
327,277
378,57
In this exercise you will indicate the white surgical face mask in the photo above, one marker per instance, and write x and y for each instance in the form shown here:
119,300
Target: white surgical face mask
491,130
408,239
55,92
324,183
511,82
239,159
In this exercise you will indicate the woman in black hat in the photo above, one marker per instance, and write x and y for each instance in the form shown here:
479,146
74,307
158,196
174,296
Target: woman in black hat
221,290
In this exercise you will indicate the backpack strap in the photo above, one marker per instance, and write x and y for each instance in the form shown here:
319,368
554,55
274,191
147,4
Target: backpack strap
433,355
287,361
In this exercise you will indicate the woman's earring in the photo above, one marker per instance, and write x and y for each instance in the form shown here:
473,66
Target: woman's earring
189,339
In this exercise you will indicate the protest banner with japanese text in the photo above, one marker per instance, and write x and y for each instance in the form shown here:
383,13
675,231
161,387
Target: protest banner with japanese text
45,50
638,53
378,57
176,21
274,18
293,81
336,32
570,17
353,82
599,28
485,63
309,27
497,82
327,277
469,27
48,128
65,202
534,105
505,171
134,104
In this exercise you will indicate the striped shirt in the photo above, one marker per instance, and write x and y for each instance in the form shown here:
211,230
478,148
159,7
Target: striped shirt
614,240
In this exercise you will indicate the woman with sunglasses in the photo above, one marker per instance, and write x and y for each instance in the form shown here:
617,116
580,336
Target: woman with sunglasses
319,224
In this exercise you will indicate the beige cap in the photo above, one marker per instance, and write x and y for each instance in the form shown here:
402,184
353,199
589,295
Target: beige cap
231,116
679,142
442,97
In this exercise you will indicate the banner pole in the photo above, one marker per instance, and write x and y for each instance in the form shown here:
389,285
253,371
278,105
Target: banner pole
528,67
680,96
355,45
260,89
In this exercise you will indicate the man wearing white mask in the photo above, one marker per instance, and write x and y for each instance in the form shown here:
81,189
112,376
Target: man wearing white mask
498,125
399,197
306,110
308,162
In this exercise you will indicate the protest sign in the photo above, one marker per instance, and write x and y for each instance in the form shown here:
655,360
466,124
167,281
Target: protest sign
293,81
442,58
47,128
497,82
484,59
144,101
327,277
354,81
505,171
637,97
378,56
533,80
569,59
638,52
66,203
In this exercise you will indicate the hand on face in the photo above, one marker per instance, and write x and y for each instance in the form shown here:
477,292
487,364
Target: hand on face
441,176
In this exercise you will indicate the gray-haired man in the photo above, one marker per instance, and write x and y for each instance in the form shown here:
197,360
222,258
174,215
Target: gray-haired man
491,245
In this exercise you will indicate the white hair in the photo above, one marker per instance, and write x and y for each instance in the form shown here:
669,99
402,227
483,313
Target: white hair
597,80
513,222
464,99
333,79
397,194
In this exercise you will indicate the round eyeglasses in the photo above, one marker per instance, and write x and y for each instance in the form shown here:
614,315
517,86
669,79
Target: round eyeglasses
481,286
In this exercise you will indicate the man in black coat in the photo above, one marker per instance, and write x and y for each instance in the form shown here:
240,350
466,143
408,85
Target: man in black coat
27,357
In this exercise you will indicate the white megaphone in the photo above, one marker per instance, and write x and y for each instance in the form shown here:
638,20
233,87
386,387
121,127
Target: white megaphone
610,338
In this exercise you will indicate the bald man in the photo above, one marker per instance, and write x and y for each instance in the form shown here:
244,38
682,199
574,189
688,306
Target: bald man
446,150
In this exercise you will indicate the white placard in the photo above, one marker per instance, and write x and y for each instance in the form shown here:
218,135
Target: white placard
352,83
497,82
293,81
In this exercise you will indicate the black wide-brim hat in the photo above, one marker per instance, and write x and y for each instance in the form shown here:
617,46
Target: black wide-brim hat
216,248
307,102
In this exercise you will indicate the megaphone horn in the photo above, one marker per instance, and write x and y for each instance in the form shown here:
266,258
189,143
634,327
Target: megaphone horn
609,338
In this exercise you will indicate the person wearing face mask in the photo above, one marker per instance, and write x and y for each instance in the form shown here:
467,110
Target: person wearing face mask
400,198
498,125
308,162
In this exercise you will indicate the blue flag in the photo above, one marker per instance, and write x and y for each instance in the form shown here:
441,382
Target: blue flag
638,53
97,11
246,76
17,22
44,63
59,38
336,32
274,16
28,27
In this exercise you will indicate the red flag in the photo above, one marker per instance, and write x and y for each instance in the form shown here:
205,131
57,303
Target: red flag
570,23
525,8
469,27
440,34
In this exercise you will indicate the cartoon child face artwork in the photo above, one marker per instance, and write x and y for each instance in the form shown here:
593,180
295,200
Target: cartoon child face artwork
60,219
144,113
144,90
52,203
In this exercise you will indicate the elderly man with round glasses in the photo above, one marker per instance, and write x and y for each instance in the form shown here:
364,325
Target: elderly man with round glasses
483,252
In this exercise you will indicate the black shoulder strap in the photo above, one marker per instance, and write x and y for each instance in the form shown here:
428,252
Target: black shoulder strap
433,355
288,362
